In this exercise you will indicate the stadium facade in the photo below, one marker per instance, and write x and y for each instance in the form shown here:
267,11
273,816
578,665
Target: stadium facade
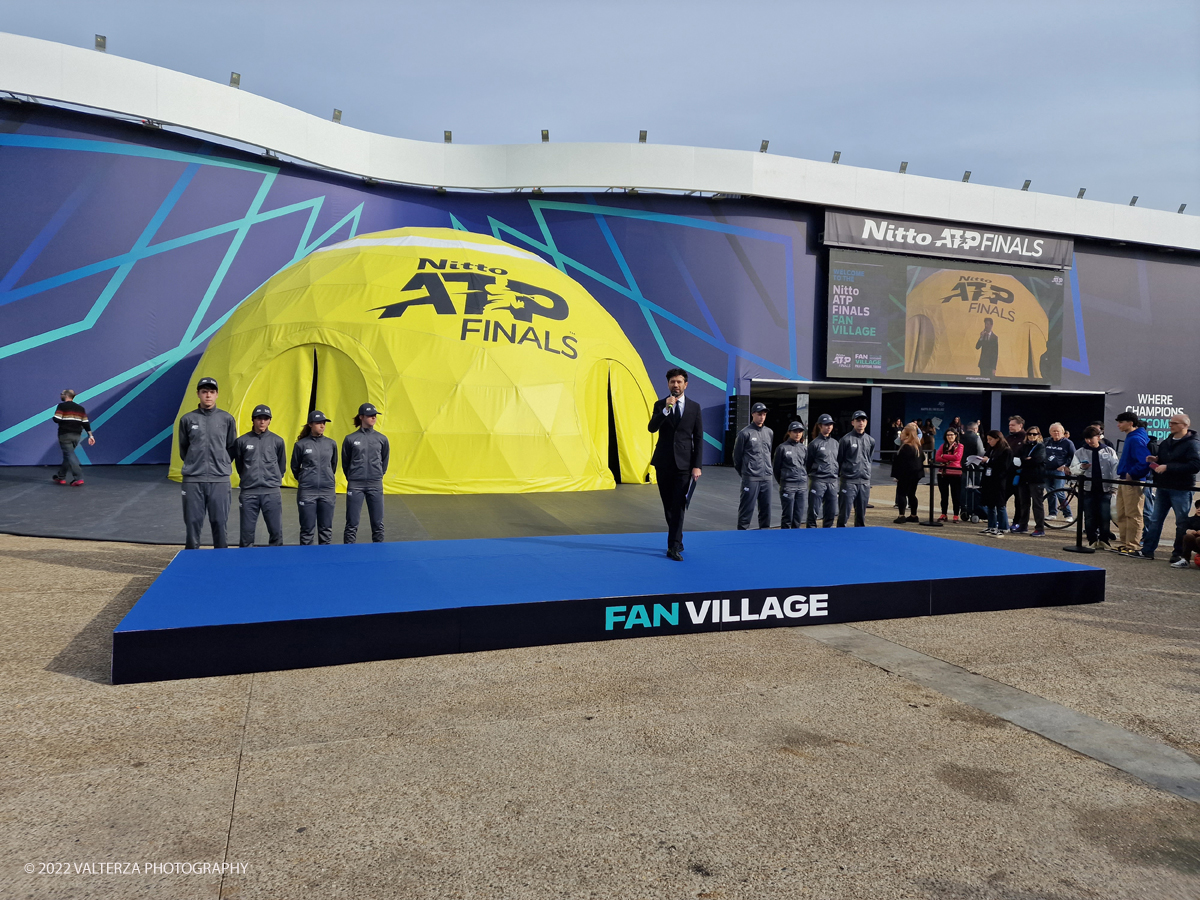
139,207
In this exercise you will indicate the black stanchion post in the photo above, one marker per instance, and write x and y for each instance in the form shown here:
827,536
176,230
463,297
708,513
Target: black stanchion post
931,523
1079,545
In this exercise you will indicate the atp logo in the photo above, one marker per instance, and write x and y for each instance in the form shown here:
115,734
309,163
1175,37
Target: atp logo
842,361
971,291
486,290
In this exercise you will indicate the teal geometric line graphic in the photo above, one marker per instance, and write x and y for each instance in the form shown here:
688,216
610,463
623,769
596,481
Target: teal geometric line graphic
108,147
649,308
164,362
117,279
457,225
149,445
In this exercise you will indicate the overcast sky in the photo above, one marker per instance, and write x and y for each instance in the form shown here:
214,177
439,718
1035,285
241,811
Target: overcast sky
1102,95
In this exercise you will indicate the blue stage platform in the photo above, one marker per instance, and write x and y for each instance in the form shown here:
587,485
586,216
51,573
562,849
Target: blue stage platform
227,612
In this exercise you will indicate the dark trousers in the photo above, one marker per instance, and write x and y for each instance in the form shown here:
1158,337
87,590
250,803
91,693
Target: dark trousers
950,487
1030,495
316,516
1097,515
793,497
822,495
672,489
853,495
355,495
70,464
270,504
201,498
906,494
754,492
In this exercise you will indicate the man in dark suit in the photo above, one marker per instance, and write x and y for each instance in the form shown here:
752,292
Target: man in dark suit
677,455
989,350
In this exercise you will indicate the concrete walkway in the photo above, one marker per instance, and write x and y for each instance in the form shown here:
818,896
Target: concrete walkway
777,763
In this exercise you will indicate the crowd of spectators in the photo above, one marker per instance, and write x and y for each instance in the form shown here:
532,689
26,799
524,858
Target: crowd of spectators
1138,488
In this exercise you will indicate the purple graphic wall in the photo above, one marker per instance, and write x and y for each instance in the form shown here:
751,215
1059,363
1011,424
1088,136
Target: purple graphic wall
123,249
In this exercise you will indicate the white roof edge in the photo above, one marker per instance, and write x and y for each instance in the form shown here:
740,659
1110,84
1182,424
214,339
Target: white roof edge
102,81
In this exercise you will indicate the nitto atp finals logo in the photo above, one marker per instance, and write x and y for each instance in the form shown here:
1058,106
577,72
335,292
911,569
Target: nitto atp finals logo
488,290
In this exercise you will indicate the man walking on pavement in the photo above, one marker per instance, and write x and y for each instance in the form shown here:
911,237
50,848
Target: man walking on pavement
854,463
206,440
261,460
792,477
72,422
752,460
822,465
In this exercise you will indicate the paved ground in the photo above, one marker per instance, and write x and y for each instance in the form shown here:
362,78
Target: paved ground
738,765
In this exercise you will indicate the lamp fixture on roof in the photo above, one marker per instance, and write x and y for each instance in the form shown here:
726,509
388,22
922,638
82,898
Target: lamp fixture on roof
642,136
545,135
235,80
337,116
1133,202
762,148
447,137
1025,186
101,43
837,156
967,175
903,167
1079,196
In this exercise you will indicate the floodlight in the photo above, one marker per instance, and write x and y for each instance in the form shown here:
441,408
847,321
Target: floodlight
1133,202
538,191
447,137
763,147
337,116
235,79
642,136
545,135
1079,196
837,155
1182,207
903,167
101,43
967,175
1025,186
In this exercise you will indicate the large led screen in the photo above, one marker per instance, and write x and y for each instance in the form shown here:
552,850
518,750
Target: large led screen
901,317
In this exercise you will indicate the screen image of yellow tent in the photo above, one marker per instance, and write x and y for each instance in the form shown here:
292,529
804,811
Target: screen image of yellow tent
945,313
493,372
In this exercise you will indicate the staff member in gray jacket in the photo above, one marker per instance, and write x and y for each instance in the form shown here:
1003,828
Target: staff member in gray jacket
364,462
206,439
854,455
314,463
792,477
823,473
261,460
752,460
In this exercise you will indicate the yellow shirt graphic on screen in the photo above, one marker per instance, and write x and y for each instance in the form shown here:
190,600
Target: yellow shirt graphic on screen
945,317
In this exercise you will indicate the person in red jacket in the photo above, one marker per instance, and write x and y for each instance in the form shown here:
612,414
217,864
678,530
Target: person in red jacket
949,459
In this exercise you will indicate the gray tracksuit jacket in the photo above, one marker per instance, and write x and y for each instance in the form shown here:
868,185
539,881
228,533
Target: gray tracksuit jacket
206,439
365,456
314,463
854,455
823,458
261,460
752,453
790,463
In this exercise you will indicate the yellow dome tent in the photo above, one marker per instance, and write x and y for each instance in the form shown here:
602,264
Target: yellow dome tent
944,316
493,371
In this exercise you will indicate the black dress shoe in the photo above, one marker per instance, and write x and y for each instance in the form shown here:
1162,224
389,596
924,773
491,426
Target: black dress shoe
675,555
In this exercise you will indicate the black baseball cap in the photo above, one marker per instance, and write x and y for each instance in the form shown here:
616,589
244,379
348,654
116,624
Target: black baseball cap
206,383
316,416
825,419
858,414
795,426
758,407
262,411
367,410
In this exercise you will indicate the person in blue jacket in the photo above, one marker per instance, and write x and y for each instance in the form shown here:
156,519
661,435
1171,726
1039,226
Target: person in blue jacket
1131,469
